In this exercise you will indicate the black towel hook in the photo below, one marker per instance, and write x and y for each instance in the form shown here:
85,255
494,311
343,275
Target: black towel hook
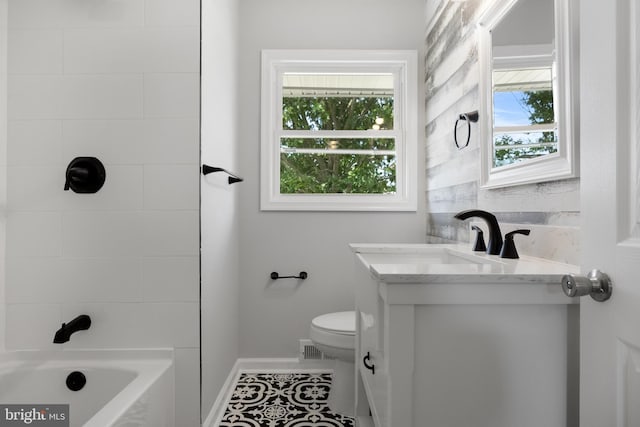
233,178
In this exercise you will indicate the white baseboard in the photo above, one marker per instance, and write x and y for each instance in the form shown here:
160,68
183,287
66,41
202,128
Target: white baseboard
365,422
258,365
217,410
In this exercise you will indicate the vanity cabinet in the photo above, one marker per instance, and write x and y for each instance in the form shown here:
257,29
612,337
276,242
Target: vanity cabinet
450,338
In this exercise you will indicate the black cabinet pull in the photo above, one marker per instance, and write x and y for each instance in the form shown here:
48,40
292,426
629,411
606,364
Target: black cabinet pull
371,366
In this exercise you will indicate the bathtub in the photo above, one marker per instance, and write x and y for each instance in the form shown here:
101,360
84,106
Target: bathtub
123,387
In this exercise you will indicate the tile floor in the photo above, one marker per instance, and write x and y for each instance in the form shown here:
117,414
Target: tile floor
283,399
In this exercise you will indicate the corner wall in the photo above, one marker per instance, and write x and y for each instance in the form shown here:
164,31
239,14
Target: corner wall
219,210
118,80
275,314
452,176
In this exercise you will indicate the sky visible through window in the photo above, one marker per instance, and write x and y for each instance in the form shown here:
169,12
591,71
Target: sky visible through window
520,110
509,109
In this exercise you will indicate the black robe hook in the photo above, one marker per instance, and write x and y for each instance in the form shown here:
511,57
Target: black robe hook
233,178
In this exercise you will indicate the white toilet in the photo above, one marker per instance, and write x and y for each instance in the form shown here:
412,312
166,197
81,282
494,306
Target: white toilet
335,335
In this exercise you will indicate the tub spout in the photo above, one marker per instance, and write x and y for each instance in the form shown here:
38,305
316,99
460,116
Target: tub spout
495,235
80,323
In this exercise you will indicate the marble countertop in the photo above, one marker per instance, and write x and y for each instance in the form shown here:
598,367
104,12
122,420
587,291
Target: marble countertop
445,263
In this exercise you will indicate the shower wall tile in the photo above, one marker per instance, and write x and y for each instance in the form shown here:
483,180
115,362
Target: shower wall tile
170,324
59,280
149,233
112,141
30,188
41,188
122,190
33,280
74,13
118,50
35,14
34,142
34,97
75,96
171,187
160,49
101,279
171,95
96,14
172,50
34,234
187,386
170,279
99,234
170,12
113,325
35,326
170,233
35,51
117,80
137,325
102,96
171,141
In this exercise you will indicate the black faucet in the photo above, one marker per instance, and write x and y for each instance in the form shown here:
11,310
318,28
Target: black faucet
80,323
495,235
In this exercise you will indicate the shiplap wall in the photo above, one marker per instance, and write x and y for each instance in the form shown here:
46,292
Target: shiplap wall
452,175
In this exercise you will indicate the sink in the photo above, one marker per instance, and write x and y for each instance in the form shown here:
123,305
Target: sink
452,263
422,254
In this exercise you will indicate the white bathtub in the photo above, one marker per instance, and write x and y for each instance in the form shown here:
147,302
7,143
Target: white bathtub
123,387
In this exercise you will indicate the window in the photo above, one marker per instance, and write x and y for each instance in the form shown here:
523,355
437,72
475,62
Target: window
524,119
339,130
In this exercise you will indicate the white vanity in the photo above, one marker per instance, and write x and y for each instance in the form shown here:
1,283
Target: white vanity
448,337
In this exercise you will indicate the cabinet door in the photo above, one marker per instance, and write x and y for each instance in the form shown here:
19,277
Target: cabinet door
369,345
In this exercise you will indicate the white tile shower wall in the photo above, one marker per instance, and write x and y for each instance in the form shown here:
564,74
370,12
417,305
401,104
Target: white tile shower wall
117,80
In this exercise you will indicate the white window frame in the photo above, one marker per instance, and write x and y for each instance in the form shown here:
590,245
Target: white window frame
403,64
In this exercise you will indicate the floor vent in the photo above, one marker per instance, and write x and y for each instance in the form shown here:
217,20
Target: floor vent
308,351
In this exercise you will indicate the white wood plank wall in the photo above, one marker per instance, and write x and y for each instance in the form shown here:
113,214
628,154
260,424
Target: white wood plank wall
451,88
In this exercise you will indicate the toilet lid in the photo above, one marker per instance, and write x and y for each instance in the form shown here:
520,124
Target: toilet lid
343,322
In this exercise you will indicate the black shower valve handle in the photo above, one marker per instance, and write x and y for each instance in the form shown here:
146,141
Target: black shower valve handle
84,175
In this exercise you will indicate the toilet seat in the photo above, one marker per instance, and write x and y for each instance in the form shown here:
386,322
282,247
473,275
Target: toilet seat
342,323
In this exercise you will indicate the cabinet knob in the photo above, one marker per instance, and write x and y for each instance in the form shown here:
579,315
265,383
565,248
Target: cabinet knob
369,366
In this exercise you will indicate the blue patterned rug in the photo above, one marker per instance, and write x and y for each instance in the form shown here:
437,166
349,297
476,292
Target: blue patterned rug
282,400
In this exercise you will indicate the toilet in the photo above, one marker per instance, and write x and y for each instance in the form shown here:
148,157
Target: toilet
335,335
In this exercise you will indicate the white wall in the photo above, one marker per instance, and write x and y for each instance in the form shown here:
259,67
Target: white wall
4,13
118,80
274,315
219,228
